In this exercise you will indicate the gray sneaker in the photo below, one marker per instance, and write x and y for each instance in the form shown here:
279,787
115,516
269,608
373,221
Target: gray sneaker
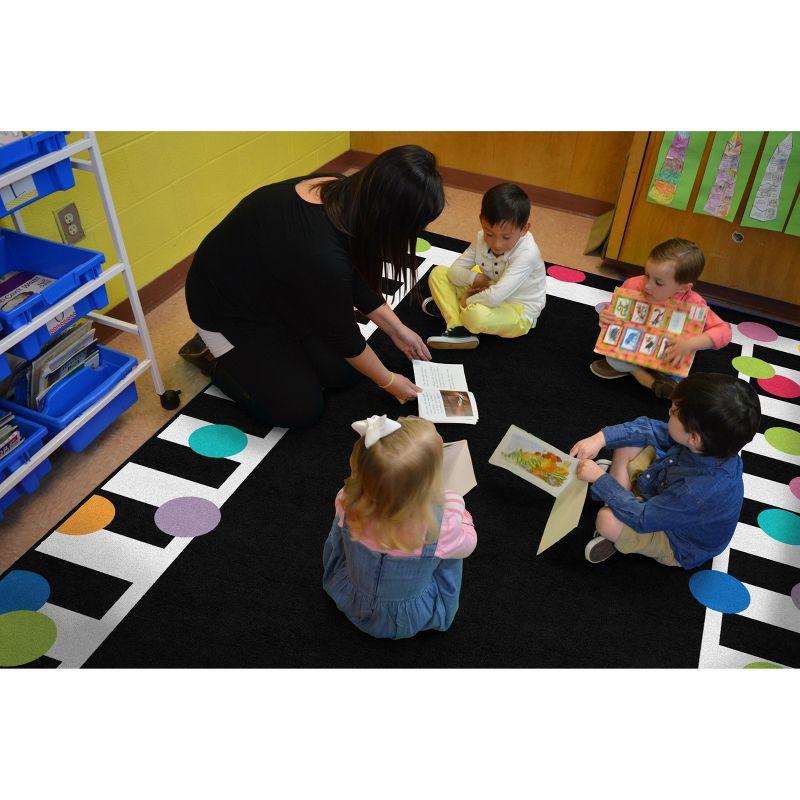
599,549
454,339
430,308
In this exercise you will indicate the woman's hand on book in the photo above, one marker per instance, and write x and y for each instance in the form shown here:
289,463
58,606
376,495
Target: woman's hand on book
403,389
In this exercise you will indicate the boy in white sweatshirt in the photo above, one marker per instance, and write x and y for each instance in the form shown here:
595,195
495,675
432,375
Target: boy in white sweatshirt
497,285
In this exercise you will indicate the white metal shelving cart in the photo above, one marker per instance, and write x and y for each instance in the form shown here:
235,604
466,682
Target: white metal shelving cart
170,397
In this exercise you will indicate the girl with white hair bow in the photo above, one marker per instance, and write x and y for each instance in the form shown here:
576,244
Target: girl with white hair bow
393,557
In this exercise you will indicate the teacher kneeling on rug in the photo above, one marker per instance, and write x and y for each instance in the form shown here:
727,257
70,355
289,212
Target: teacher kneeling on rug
272,288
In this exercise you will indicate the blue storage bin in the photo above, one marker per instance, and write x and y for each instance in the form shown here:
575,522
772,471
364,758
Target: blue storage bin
71,266
34,439
73,395
5,369
54,178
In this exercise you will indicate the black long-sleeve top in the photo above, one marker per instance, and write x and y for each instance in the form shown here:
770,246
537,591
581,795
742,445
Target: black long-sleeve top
278,256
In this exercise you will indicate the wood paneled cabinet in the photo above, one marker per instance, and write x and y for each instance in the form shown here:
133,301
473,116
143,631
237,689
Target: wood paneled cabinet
761,262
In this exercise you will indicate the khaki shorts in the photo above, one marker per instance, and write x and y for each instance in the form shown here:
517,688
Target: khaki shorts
653,545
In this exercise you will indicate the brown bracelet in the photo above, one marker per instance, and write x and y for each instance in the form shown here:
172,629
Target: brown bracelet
387,385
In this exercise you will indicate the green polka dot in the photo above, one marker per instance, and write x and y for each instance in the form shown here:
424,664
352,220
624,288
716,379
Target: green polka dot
24,636
423,245
762,665
218,441
754,367
784,439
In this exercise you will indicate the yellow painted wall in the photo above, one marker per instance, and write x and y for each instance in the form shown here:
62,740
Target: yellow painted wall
171,189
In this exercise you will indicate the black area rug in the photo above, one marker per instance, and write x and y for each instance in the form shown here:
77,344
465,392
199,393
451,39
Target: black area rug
249,594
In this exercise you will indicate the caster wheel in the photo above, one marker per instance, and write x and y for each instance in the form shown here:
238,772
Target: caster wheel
171,399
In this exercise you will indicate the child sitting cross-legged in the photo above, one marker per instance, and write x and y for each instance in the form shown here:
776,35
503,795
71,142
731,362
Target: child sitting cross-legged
674,490
671,270
393,557
506,293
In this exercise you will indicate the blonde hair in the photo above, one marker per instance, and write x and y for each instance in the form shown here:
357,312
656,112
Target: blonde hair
395,484
687,257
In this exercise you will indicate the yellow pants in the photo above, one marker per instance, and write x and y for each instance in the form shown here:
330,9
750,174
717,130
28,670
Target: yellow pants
505,320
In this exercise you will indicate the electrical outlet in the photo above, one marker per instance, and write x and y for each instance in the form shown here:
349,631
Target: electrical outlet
69,224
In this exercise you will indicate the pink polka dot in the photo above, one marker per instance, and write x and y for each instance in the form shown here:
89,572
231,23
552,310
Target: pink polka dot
780,386
757,331
794,485
600,306
566,274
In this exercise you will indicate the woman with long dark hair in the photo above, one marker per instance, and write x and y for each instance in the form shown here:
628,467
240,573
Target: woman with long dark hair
272,288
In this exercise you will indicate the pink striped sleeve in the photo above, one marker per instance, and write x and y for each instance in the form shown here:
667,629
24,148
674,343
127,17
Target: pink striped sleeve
457,536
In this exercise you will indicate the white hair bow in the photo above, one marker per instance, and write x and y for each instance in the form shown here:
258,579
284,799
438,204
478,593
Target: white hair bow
374,428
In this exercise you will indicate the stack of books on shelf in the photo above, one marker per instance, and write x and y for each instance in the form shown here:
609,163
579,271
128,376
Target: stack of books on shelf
10,435
72,350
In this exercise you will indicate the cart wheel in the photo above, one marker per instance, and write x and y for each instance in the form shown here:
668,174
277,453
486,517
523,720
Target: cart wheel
171,399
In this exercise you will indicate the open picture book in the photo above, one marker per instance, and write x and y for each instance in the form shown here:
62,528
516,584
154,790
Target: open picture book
445,397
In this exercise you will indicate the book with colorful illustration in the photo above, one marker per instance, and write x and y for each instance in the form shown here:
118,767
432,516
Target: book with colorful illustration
645,328
535,461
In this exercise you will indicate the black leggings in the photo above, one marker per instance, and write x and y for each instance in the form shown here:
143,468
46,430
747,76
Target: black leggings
279,380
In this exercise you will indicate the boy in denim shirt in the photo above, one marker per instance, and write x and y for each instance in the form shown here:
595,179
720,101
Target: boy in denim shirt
674,490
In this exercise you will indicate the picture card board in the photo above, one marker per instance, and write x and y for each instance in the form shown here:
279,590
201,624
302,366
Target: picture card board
645,327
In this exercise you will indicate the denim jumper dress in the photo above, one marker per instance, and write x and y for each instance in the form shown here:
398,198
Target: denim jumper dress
390,597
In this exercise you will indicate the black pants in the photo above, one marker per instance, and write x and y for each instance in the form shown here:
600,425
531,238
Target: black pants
277,379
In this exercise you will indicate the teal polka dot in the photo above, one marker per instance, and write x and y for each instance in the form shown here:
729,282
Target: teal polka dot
719,591
218,441
781,525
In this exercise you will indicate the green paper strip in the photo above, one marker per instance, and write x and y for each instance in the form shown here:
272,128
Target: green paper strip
793,226
788,187
750,141
685,180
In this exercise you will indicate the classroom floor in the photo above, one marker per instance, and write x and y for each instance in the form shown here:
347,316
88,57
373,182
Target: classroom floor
561,238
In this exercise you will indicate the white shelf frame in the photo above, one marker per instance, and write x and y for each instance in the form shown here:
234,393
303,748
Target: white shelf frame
94,164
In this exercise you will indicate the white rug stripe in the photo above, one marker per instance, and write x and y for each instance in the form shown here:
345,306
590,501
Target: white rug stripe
109,552
779,409
78,635
782,344
751,539
770,492
578,292
155,487
772,608
761,446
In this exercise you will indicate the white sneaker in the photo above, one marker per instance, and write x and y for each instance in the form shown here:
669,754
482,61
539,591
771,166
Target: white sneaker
430,308
599,549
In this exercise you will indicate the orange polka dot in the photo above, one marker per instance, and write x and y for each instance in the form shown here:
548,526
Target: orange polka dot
92,516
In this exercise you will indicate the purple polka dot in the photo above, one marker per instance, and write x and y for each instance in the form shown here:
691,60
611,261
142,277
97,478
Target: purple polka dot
796,594
187,516
600,306
566,274
757,331
794,485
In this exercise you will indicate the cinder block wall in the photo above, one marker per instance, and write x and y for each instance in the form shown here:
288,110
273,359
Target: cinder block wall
170,189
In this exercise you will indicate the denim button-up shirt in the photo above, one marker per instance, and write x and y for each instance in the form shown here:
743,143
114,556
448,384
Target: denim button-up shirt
695,499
